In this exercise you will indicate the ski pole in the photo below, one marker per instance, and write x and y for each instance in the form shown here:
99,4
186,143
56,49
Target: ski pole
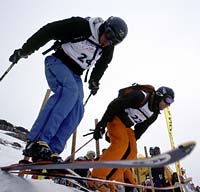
5,73
68,158
87,99
92,131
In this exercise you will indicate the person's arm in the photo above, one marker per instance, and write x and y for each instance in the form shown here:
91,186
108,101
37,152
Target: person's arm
102,64
67,30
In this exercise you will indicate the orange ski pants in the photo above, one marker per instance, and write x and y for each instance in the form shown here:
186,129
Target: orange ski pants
123,146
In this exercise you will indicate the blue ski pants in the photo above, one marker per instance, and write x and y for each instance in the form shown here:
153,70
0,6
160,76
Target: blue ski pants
64,109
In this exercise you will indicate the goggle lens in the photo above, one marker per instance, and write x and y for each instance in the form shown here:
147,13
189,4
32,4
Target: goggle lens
168,100
110,36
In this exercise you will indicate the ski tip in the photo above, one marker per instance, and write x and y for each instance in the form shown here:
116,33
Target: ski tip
188,146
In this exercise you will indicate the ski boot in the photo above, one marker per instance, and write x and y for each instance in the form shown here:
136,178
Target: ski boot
38,151
56,158
101,187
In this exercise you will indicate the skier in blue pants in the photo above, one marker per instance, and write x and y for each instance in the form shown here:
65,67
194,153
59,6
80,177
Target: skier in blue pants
64,84
83,43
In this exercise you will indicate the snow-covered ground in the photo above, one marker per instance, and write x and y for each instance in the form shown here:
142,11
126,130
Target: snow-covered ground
13,183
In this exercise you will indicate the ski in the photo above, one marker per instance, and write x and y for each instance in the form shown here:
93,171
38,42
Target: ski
90,179
74,183
157,161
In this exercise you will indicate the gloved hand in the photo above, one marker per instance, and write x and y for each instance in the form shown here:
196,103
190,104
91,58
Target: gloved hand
99,131
17,55
93,86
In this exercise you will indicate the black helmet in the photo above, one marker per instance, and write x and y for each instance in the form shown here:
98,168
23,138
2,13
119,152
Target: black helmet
166,93
154,151
115,29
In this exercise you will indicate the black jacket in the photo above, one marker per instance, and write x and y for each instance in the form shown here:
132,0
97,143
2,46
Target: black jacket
131,100
72,30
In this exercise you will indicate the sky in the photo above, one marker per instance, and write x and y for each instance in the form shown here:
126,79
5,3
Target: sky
162,48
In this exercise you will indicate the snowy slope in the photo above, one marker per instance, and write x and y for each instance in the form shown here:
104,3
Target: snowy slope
12,183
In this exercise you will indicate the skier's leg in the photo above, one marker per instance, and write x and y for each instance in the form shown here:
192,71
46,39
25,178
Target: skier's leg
119,174
62,83
133,145
69,124
118,149
44,115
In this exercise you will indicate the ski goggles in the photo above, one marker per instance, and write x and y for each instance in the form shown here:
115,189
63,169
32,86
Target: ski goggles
111,36
168,100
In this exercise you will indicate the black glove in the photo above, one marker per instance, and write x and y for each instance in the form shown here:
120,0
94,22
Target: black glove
107,138
93,86
99,131
17,55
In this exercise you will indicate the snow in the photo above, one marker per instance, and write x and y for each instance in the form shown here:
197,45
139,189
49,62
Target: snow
13,183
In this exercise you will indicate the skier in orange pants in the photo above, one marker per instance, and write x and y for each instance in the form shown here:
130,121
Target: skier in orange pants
123,140
137,106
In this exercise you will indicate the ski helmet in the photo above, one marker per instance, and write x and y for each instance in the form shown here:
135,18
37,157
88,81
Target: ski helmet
157,150
154,151
166,93
115,30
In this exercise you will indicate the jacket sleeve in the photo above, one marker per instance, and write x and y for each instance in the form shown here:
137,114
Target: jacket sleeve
67,30
117,106
140,128
102,64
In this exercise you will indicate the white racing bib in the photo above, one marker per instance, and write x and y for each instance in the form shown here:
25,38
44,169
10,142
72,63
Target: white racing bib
139,115
86,53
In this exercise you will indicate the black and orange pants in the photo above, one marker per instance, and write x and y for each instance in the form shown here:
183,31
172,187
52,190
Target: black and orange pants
123,147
